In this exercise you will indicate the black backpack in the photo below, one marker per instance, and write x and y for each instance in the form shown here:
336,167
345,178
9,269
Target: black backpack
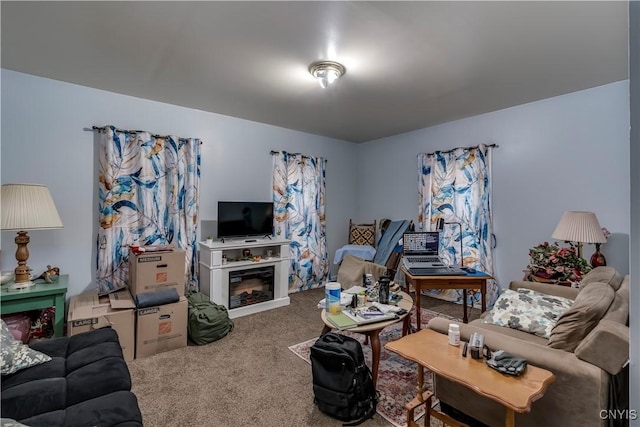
342,382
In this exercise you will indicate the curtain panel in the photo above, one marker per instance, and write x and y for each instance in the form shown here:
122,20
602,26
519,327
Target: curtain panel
299,215
148,194
456,186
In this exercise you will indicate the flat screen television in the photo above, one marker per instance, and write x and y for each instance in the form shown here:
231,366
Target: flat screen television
242,219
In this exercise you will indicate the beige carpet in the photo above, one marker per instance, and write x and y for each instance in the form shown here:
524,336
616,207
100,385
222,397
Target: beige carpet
248,378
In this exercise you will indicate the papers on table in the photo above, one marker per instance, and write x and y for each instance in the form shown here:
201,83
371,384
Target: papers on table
349,318
366,315
345,300
386,308
355,290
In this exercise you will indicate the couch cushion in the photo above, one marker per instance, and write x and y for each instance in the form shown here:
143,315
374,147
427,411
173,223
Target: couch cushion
14,355
590,305
528,311
619,309
119,408
606,346
84,367
502,331
602,274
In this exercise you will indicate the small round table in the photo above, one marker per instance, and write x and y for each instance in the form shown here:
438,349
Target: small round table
372,330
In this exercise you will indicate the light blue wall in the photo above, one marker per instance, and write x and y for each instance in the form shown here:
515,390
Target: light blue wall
44,141
564,153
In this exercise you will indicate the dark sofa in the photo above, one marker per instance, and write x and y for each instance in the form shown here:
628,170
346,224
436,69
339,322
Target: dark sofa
87,383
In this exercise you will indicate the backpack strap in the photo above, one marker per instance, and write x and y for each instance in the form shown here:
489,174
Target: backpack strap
369,414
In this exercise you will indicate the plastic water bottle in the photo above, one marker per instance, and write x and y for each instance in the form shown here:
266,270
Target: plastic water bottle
454,334
332,297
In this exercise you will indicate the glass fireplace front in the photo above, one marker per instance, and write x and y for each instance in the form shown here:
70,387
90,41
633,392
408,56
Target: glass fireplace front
251,286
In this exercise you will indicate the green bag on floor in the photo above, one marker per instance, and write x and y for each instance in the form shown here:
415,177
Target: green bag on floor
208,321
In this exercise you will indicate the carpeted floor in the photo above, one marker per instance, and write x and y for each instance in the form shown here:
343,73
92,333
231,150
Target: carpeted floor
397,377
247,378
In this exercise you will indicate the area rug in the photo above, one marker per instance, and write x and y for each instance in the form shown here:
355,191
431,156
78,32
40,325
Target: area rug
397,377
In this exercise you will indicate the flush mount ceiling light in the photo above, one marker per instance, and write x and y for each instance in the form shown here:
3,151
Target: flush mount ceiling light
326,72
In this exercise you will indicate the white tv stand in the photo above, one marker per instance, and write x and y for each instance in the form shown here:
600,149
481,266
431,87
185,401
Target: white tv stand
214,274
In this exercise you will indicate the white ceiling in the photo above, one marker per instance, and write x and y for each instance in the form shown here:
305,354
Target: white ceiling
409,64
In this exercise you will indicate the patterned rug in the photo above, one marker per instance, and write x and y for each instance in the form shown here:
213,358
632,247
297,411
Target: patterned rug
397,377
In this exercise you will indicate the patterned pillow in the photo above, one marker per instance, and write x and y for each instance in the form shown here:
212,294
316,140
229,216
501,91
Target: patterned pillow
14,355
362,234
528,311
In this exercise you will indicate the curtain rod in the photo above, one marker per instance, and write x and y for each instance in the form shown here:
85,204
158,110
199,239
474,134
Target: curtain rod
464,148
131,132
272,152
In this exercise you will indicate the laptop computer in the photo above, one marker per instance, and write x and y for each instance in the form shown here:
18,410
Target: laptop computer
420,250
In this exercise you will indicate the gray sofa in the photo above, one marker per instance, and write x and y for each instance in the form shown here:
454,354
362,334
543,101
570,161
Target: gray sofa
589,379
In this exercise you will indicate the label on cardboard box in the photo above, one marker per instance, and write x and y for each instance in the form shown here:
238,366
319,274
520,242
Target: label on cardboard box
154,258
84,322
147,311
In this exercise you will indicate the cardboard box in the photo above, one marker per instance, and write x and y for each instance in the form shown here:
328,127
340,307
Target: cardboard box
154,271
161,328
88,311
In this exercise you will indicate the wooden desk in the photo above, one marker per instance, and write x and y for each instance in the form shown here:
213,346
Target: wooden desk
477,280
372,330
41,295
431,350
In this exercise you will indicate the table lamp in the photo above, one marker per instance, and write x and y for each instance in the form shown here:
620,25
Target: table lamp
26,207
580,227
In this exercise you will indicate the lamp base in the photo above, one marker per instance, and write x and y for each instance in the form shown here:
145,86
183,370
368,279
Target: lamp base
21,286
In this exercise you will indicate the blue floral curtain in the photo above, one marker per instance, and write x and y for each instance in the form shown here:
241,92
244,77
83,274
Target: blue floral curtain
456,186
147,195
299,206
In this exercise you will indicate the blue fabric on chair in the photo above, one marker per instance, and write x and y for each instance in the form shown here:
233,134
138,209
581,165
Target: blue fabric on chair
365,252
389,240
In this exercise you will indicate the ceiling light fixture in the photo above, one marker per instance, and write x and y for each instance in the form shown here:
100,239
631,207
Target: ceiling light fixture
326,72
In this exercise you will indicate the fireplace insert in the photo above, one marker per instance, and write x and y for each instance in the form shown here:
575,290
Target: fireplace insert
250,286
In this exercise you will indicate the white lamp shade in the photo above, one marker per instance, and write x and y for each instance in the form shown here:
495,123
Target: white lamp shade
576,226
28,207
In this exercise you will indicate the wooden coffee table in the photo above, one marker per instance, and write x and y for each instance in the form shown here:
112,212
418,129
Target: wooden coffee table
372,331
431,350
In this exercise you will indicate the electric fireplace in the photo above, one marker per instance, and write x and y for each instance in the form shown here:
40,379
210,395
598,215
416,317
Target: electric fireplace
251,286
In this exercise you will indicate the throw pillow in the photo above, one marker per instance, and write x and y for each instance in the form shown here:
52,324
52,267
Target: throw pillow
14,355
591,304
528,311
362,234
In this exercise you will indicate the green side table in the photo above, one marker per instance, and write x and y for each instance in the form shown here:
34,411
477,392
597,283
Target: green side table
42,295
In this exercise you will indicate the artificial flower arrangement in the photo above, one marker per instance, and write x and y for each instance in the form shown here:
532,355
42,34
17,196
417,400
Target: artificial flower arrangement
556,263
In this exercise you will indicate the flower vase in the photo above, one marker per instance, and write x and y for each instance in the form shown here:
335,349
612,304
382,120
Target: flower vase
597,259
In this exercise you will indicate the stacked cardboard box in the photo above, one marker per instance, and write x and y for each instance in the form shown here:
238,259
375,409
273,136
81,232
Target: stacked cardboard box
164,327
154,271
88,311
